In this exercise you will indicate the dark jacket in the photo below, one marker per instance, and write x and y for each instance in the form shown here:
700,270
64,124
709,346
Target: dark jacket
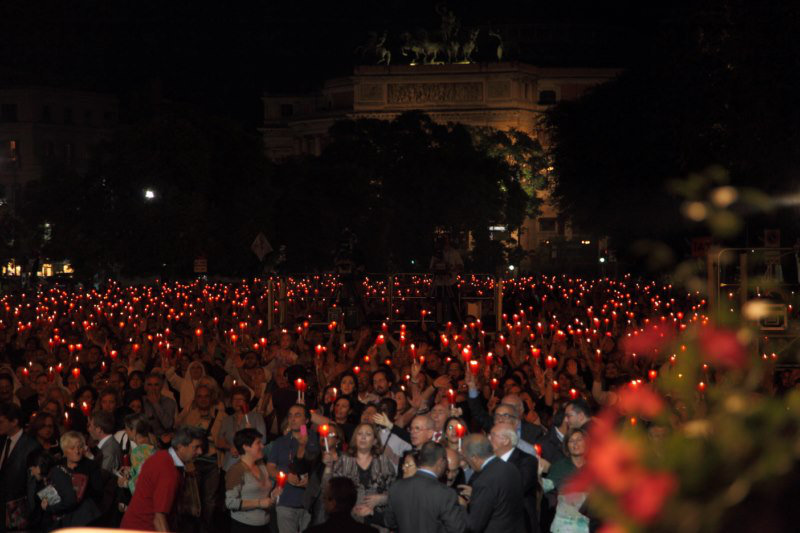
422,504
496,502
341,523
552,447
528,467
15,469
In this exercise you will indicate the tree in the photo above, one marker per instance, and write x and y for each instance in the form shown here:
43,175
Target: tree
717,87
394,183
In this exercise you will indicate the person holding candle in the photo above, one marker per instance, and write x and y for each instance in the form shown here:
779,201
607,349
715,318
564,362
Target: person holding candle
366,465
451,428
291,454
249,491
568,516
240,419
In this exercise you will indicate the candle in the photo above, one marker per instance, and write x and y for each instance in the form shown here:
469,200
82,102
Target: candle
538,449
413,350
550,362
573,394
701,387
281,480
300,387
466,353
451,396
85,408
76,372
535,352
324,430
474,367
493,384
653,374
198,332
356,370
380,339
460,430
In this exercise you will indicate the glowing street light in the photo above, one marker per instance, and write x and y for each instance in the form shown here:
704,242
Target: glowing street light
149,194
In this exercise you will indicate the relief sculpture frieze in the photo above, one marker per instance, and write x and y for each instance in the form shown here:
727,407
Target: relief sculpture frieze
435,93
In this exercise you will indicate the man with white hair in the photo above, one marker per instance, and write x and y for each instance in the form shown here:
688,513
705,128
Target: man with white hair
504,439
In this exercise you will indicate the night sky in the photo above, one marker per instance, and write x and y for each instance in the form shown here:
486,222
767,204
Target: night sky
223,55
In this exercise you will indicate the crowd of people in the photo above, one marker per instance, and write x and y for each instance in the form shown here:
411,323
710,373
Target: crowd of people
174,407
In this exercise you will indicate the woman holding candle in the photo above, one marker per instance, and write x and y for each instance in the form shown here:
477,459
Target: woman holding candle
240,419
371,471
249,491
452,430
569,518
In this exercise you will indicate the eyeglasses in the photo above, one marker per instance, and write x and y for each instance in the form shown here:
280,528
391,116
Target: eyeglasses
505,415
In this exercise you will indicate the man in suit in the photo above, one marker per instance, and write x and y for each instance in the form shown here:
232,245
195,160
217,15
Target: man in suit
108,457
15,447
421,503
552,443
504,443
339,499
495,496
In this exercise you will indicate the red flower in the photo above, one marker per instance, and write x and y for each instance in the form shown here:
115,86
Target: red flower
645,498
613,463
722,347
641,399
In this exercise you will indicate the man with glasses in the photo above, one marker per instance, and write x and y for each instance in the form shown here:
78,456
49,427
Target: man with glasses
159,409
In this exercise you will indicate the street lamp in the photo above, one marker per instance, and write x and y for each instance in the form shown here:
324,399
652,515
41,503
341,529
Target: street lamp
149,194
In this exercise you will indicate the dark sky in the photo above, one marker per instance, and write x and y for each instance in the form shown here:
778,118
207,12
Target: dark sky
223,55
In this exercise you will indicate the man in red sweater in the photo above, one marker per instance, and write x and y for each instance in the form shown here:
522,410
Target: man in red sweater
159,483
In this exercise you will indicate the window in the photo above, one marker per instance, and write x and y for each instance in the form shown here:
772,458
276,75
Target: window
547,224
287,110
47,114
547,97
8,113
68,115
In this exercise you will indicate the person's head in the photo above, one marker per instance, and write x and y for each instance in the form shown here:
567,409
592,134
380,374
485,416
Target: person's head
52,406
348,384
575,442
505,413
388,407
369,411
335,437
450,429
249,442
249,360
342,409
380,382
340,496
240,398
514,400
42,426
135,404
432,456
439,414
477,449
196,370
455,371
136,380
401,401
298,416
408,463
453,466
6,388
108,401
577,413
41,384
188,443
100,425
365,440
87,395
421,430
203,397
153,384
503,438
138,428
72,446
10,419
39,463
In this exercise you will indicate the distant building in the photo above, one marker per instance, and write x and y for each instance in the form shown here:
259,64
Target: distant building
501,95
41,124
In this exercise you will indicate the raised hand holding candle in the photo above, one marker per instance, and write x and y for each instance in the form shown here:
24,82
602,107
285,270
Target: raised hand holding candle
324,431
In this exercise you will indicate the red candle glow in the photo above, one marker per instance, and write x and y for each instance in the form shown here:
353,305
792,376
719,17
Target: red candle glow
550,361
356,370
451,396
493,384
461,430
85,408
573,394
653,374
281,480
76,372
474,367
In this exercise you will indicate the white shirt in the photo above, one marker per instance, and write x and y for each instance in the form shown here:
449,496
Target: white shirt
12,442
175,458
103,441
506,455
487,461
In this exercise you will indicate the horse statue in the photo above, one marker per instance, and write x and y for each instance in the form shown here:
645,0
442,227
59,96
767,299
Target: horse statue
432,50
499,38
413,46
470,46
384,54
453,47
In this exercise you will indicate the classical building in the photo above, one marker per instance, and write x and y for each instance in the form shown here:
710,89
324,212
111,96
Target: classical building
500,95
41,124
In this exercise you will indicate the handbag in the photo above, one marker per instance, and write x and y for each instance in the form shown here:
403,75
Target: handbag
189,502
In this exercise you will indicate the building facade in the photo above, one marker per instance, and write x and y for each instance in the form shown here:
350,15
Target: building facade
39,125
502,95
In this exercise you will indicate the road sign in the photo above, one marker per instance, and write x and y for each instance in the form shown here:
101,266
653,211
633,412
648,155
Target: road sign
261,246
